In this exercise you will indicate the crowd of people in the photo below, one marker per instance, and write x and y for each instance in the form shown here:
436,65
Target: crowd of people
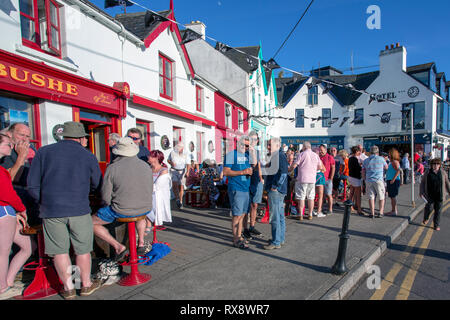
56,184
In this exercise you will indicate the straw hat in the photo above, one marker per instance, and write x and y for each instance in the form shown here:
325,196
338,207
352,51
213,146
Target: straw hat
126,148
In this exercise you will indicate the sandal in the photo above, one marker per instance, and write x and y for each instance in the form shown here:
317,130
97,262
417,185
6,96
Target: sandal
240,244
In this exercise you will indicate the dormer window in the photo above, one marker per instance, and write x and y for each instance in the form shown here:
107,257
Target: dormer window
40,25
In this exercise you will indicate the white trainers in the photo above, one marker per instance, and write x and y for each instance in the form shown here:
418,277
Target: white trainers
11,292
315,213
320,215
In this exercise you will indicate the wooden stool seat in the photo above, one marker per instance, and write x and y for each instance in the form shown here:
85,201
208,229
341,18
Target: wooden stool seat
131,219
31,230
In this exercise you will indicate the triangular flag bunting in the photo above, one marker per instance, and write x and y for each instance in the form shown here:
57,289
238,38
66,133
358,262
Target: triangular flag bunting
190,35
152,18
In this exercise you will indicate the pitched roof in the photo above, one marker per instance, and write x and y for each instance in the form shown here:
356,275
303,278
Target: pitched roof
241,58
135,22
287,87
420,67
359,81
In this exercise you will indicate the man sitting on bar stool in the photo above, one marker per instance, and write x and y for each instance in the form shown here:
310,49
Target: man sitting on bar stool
127,191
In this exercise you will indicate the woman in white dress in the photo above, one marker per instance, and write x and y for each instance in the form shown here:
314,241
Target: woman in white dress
162,184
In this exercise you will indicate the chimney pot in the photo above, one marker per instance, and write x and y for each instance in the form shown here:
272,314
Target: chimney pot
387,47
392,46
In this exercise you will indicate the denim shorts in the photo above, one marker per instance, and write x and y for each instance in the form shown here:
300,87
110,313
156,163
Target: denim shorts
239,201
107,214
7,211
256,193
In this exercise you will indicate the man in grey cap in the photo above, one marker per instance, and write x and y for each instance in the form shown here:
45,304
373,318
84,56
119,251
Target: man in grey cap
61,177
127,192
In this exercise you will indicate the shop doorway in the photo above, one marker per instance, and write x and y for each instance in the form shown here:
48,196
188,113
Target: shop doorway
99,127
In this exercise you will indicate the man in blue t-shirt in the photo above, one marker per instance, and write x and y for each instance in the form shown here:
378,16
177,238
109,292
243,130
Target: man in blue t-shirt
238,170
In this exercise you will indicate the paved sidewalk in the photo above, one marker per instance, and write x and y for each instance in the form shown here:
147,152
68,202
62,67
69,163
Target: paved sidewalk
204,265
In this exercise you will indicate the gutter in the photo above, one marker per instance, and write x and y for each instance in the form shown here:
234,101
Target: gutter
101,17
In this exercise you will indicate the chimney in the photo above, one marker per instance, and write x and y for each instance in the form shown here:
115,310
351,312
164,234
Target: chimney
393,57
198,27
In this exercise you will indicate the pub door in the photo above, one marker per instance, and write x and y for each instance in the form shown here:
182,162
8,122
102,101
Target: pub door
98,142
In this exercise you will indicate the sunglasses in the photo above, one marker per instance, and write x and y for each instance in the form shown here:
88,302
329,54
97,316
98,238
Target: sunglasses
134,138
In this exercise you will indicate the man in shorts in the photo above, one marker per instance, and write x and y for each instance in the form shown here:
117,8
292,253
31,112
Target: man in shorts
256,188
238,170
127,192
330,167
308,162
60,179
372,172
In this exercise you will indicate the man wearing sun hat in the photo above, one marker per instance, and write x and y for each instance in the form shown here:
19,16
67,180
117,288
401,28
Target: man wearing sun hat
61,177
127,191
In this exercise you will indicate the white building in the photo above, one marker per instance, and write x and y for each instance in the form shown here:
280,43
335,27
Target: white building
111,74
387,93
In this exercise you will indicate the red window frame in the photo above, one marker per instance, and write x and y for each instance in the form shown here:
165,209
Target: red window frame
147,138
199,98
37,45
165,77
177,132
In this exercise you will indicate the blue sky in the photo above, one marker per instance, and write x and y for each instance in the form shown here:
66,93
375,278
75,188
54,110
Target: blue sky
328,34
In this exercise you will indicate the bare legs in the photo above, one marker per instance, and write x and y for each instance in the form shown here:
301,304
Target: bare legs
9,233
236,227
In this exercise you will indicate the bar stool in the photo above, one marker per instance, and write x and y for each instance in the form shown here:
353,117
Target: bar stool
134,278
46,282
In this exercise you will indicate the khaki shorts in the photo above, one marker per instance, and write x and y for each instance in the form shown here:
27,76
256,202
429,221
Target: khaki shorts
376,189
59,233
305,191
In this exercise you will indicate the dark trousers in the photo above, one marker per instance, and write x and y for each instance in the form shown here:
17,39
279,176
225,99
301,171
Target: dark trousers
406,176
437,211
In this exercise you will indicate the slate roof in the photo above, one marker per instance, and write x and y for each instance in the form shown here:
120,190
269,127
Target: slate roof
420,67
287,87
359,81
135,23
241,59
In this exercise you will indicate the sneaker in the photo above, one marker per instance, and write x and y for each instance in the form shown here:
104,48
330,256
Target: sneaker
321,215
111,280
87,291
315,213
247,234
178,204
271,246
254,232
11,292
68,294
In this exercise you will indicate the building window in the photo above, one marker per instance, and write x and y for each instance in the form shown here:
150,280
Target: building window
259,103
145,128
241,121
40,25
359,116
199,98
177,135
423,77
200,144
326,117
227,115
419,115
265,106
165,77
299,118
14,109
440,116
253,100
312,95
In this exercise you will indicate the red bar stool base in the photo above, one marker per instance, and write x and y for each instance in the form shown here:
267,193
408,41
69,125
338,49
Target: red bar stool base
46,282
134,279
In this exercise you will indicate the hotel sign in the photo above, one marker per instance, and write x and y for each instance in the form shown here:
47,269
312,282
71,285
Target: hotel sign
34,79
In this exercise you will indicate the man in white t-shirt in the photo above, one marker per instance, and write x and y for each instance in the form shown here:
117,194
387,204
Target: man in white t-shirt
363,156
179,166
